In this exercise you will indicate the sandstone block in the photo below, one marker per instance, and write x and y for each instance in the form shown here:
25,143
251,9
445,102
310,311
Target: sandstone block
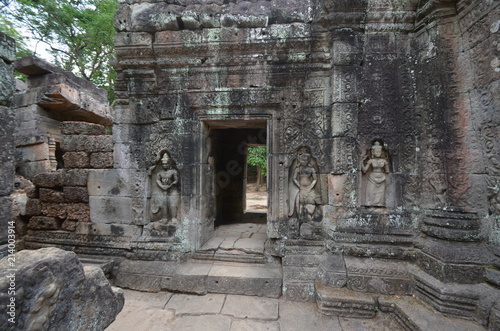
69,225
33,193
73,177
78,212
50,195
44,223
101,160
6,84
99,144
8,48
116,182
111,209
82,128
50,180
79,143
55,292
76,194
118,230
54,210
133,39
76,160
32,65
33,207
73,143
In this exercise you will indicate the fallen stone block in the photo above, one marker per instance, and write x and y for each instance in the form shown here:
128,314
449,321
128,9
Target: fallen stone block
53,291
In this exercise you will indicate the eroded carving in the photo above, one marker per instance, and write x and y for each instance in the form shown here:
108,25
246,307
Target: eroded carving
376,166
165,190
304,187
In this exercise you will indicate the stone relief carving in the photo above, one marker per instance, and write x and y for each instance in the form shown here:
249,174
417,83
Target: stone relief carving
376,166
304,187
165,190
494,197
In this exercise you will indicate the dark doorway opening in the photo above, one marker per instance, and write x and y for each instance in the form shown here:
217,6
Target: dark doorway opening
229,150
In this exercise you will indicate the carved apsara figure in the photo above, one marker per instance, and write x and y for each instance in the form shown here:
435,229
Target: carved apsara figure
165,191
304,187
376,164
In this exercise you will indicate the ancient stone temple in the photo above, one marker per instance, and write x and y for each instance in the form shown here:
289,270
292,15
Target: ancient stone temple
381,122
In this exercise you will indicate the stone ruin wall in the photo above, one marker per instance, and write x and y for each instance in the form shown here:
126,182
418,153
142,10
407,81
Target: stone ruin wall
328,78
7,57
419,76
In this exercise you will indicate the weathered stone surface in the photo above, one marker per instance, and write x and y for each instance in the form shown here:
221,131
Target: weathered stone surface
62,177
251,307
33,207
89,144
196,305
54,210
54,291
7,48
245,279
76,160
44,223
32,66
83,128
75,194
342,302
7,84
7,140
70,97
413,315
101,160
78,212
50,195
6,212
69,225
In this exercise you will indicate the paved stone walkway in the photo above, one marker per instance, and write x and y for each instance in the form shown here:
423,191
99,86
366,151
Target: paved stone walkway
221,312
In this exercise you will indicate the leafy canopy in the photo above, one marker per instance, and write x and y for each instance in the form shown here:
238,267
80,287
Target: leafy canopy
257,158
79,33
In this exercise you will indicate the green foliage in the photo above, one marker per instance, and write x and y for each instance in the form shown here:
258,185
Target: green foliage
80,34
257,156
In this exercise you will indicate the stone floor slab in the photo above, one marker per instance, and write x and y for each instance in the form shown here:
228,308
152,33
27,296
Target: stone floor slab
305,316
185,304
156,300
259,235
253,325
202,323
212,244
141,312
228,243
250,245
241,306
380,323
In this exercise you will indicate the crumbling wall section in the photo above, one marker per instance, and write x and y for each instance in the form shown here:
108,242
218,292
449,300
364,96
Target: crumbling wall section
60,202
49,97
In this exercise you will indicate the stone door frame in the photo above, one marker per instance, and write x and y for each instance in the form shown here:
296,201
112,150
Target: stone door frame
235,121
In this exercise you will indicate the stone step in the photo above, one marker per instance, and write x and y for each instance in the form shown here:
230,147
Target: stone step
229,256
411,313
414,315
461,300
201,277
345,303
